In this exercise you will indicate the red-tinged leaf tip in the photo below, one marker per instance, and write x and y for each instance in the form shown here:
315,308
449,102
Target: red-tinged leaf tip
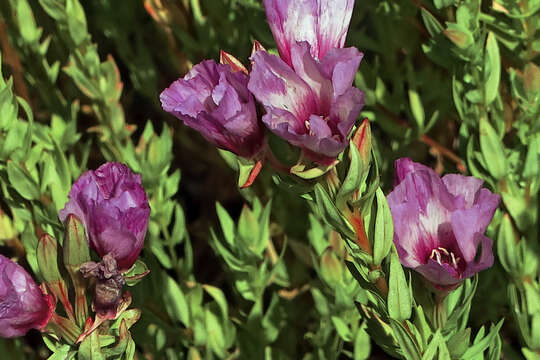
253,174
227,59
257,46
362,140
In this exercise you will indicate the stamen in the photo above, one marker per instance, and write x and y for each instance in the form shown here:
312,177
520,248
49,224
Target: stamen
443,250
442,255
454,261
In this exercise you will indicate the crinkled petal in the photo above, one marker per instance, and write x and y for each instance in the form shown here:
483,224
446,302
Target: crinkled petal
227,100
208,98
185,98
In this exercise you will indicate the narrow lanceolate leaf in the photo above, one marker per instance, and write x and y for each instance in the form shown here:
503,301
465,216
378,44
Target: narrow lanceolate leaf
384,229
227,224
27,24
492,69
507,246
407,345
175,302
331,214
481,344
353,179
76,253
76,21
417,108
492,150
21,180
399,296
47,255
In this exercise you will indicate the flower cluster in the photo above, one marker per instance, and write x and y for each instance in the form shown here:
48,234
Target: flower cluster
440,223
306,92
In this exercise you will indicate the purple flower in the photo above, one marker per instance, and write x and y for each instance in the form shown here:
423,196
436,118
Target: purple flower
322,23
112,205
215,101
312,104
23,306
439,223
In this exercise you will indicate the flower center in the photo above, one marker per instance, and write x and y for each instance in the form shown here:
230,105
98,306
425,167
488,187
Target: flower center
442,255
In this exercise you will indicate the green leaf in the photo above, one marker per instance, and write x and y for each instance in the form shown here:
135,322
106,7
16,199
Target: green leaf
433,26
492,69
331,214
492,150
354,175
362,345
264,229
76,21
384,229
175,301
433,346
407,345
342,328
507,247
179,230
76,252
439,4
399,295
22,181
138,271
459,343
216,336
459,35
227,224
90,348
27,25
480,345
417,109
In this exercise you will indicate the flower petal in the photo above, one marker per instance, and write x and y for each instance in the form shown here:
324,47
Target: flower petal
345,110
292,21
341,66
484,260
309,70
333,22
467,223
275,84
464,186
442,275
